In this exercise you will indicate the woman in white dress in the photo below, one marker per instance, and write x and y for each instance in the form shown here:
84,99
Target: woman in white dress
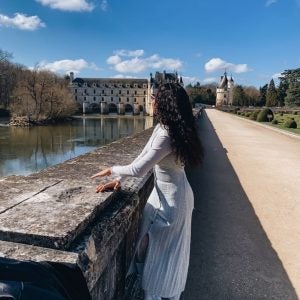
163,247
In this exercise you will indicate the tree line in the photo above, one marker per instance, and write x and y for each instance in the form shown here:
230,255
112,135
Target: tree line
286,94
37,94
205,94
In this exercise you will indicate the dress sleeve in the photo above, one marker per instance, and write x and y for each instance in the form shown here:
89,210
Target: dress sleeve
152,154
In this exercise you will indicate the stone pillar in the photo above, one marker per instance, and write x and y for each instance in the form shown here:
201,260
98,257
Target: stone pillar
104,108
121,109
136,109
83,107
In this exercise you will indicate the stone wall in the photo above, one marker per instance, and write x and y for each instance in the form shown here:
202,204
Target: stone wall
55,215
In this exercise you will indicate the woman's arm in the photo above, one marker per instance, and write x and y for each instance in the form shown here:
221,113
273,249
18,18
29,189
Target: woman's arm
155,150
159,148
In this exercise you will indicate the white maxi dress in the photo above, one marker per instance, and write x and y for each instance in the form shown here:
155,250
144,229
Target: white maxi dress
166,217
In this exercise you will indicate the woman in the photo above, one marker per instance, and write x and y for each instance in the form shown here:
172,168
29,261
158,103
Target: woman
163,247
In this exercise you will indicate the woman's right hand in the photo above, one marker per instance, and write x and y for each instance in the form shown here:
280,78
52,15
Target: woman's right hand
105,172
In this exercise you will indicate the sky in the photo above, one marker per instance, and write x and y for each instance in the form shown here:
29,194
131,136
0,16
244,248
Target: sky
254,40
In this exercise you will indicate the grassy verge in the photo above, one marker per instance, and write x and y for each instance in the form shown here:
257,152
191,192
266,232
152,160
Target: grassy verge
281,120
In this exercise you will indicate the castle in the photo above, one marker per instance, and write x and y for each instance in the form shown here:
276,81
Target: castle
118,95
224,91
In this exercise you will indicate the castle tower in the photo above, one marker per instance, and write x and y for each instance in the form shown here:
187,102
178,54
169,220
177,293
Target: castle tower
224,91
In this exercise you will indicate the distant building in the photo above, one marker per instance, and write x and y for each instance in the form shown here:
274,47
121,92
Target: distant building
105,95
118,95
224,91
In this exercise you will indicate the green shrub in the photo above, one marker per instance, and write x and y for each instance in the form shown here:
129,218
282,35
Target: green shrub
281,114
290,123
263,115
248,114
275,121
253,115
295,112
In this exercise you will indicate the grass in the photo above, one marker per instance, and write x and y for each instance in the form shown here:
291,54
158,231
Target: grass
281,120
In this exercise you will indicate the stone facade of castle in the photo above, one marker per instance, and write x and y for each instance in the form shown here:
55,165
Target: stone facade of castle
118,95
224,91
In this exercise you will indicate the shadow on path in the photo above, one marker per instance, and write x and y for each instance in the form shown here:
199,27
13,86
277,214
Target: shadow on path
231,256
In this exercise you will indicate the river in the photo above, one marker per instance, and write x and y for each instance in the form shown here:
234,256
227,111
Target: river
27,150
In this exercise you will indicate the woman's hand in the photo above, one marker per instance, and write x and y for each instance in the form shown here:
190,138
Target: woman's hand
105,172
112,185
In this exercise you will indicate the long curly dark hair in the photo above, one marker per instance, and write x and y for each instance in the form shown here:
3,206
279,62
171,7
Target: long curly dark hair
174,111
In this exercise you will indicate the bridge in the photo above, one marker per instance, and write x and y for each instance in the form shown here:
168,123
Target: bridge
245,235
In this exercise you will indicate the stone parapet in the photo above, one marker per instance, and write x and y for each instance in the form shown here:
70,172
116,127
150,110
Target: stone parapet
55,215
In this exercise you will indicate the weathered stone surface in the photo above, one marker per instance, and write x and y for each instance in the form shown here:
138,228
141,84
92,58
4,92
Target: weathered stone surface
53,207
27,252
59,209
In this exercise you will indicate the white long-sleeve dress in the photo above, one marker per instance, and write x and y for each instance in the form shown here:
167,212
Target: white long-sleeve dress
166,217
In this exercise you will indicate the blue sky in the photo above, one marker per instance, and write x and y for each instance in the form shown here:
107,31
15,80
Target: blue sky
254,40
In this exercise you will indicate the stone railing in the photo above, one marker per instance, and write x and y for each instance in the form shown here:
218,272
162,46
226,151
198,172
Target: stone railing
56,216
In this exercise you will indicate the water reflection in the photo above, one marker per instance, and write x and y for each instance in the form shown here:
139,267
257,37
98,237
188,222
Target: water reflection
27,150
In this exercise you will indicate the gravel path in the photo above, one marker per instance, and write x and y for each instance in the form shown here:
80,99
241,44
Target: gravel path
246,223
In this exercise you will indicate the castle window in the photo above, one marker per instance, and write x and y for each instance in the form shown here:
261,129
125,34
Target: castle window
144,86
119,99
135,92
75,91
135,85
144,100
127,92
112,91
94,91
134,99
119,91
84,98
94,98
76,98
102,98
144,92
127,99
111,99
85,91
102,91
224,95
85,84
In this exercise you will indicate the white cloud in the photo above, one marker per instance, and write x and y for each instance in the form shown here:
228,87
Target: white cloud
68,5
130,53
138,64
114,59
123,76
216,64
270,2
22,22
276,75
67,65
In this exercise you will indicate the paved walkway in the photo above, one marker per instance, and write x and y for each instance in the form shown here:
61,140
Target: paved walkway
246,224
